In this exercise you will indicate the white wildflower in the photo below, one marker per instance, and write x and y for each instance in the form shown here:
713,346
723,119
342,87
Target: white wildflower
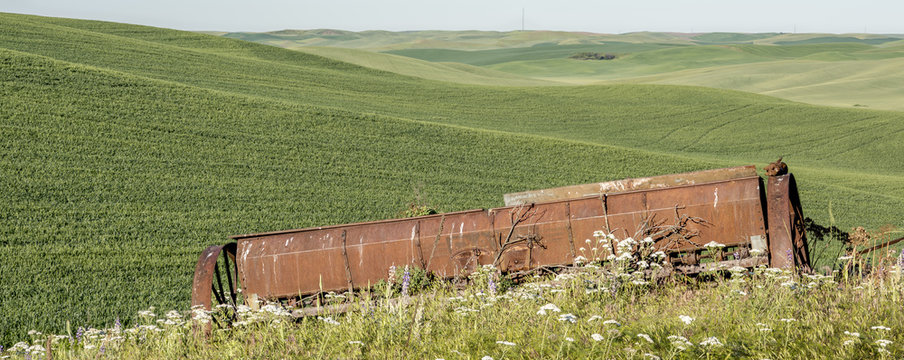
846,257
275,310
611,322
548,307
713,245
686,319
711,341
594,318
854,334
645,337
568,317
680,342
355,342
650,356
173,315
849,342
596,337
569,339
328,320
647,240
883,342
880,327
486,358
788,320
756,252
506,343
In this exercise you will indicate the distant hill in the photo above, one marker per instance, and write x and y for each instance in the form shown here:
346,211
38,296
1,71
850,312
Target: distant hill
738,61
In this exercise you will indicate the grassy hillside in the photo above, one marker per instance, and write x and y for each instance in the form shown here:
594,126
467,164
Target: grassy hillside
873,83
450,72
837,70
543,51
458,40
127,149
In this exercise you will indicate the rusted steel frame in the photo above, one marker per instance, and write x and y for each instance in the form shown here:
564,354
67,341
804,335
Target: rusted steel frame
748,262
349,306
294,262
617,186
880,246
787,237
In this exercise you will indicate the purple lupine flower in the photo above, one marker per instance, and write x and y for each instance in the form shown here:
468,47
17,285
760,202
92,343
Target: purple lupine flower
790,258
102,349
492,285
406,280
28,356
78,334
117,325
737,255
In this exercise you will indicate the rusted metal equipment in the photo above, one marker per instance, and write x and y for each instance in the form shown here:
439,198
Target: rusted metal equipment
536,228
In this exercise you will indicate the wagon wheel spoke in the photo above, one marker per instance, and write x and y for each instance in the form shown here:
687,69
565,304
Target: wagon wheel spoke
231,277
217,286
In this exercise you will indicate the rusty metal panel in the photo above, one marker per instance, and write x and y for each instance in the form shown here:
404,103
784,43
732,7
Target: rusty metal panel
732,209
334,258
787,238
617,186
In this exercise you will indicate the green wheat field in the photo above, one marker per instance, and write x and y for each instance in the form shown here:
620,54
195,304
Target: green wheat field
126,150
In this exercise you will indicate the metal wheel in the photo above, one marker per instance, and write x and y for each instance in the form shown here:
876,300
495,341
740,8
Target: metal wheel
216,280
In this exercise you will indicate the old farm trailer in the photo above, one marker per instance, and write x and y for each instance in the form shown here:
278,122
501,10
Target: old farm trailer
536,228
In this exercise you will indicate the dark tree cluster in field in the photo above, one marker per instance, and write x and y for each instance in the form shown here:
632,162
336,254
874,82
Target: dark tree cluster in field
593,56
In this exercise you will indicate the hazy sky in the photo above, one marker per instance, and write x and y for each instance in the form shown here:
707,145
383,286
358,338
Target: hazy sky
834,16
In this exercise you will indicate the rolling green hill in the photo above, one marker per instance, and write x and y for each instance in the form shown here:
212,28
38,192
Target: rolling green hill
128,149
873,83
737,61
450,71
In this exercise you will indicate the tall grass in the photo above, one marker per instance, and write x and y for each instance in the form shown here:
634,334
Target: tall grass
586,312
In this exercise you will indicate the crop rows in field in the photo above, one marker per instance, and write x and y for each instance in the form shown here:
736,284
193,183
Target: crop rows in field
127,149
